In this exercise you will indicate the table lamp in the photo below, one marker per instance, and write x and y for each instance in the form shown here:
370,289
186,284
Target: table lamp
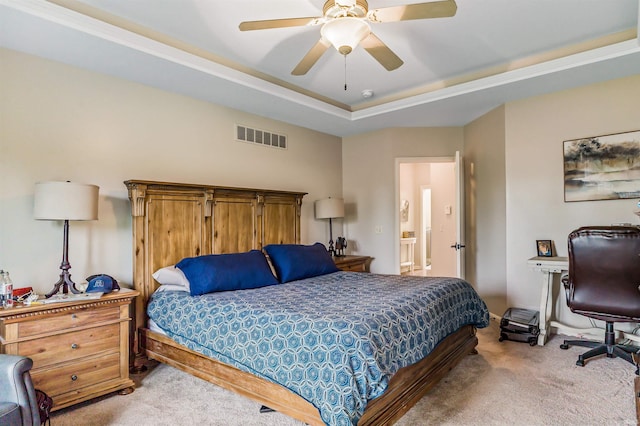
65,201
329,208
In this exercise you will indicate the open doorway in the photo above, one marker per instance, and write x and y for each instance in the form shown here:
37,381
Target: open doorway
427,191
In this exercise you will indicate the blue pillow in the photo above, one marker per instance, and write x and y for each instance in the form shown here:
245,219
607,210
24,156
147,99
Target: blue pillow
295,261
222,272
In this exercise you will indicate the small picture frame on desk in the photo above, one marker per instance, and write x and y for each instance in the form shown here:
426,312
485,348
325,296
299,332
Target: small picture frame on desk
545,248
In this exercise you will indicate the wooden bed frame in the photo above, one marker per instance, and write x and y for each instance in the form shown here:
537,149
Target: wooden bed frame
172,221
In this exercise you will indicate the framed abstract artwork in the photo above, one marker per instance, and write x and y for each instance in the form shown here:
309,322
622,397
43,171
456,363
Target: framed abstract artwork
603,167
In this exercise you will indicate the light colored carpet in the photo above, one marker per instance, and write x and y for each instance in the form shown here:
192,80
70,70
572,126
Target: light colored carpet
507,383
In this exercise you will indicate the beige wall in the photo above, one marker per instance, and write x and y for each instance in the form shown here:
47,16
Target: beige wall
370,183
535,131
485,194
62,123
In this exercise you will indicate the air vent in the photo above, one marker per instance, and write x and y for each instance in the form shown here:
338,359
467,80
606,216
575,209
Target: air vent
260,137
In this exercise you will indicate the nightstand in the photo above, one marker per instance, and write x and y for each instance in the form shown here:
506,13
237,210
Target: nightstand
353,263
80,350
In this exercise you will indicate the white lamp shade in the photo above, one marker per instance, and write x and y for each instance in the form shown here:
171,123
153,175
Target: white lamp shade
65,201
345,33
329,208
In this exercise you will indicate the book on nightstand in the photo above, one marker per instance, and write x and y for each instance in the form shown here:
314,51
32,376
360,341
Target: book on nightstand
71,297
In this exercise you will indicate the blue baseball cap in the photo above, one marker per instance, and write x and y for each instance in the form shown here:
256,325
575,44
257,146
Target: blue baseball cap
102,283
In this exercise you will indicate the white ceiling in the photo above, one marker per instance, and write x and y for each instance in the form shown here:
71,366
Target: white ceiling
455,69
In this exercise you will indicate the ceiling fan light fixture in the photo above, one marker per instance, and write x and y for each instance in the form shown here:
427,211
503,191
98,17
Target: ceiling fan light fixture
345,3
345,33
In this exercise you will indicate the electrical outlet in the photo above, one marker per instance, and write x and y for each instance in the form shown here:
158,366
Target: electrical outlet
378,229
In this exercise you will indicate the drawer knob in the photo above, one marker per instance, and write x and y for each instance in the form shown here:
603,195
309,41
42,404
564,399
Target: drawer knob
74,377
74,346
74,316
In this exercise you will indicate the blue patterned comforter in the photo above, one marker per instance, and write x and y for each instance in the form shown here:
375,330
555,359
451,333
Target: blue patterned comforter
335,340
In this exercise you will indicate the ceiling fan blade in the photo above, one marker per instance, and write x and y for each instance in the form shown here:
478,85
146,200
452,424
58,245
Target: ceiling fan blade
381,52
311,57
276,23
435,9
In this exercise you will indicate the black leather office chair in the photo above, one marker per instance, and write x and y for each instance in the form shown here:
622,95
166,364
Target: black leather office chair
604,284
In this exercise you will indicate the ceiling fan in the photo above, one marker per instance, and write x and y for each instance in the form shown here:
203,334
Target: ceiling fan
345,24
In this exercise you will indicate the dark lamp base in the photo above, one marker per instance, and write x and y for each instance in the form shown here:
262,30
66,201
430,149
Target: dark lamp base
64,282
65,276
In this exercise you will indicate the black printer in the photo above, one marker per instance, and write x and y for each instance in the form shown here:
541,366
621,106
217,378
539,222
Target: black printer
520,325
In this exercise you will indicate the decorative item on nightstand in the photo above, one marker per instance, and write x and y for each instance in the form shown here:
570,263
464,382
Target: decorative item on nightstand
329,208
341,244
65,201
102,283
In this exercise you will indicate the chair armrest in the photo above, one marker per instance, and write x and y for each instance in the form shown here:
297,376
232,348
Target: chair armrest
566,282
16,386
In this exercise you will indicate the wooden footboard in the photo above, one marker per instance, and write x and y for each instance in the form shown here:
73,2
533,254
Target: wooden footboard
411,383
279,398
405,388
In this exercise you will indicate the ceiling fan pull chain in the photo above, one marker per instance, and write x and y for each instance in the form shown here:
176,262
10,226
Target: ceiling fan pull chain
345,72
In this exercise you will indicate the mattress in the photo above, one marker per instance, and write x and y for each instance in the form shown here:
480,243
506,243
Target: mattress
336,340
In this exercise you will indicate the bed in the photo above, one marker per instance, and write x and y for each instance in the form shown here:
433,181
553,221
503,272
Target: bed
174,221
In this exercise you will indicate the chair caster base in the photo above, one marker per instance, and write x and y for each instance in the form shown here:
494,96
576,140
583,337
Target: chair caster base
580,363
564,346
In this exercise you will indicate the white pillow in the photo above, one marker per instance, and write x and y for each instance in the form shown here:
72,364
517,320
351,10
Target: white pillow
170,275
171,287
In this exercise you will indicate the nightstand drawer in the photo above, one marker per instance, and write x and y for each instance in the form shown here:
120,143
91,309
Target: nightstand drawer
70,346
356,267
67,320
353,263
76,375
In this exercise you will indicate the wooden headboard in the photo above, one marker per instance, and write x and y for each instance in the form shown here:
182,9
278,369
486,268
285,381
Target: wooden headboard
172,221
